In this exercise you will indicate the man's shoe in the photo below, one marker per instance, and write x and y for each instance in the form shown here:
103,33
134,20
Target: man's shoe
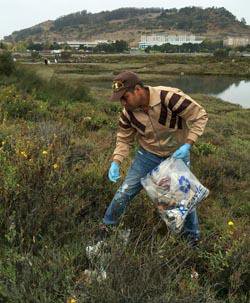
193,241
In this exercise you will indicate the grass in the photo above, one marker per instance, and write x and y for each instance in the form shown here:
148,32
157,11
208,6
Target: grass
54,159
152,65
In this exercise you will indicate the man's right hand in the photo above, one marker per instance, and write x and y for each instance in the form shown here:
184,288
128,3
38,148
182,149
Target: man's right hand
114,172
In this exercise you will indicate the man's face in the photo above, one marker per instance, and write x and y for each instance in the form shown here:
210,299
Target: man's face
131,100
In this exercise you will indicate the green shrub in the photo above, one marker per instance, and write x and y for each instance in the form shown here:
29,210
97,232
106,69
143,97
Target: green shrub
15,105
96,123
204,149
53,91
7,65
221,53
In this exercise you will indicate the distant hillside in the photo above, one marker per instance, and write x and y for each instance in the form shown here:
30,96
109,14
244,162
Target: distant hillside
130,23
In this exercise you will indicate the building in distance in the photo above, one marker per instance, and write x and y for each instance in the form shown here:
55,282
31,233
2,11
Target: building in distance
77,44
157,39
236,41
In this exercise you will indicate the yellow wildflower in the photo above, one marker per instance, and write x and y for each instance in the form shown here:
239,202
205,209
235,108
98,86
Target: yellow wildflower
3,142
55,166
230,223
23,153
45,152
71,300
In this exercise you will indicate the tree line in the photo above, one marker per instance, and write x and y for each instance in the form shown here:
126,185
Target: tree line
207,46
118,46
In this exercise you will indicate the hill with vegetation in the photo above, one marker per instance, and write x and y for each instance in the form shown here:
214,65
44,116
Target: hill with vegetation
56,140
129,23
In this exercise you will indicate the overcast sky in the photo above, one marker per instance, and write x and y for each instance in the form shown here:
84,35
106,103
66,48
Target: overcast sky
19,14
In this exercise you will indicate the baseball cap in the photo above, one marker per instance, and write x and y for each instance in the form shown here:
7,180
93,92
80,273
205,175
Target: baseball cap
122,82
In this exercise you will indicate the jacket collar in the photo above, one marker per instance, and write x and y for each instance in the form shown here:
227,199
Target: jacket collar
154,96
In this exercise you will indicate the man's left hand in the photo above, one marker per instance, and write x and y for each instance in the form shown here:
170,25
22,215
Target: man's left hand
183,152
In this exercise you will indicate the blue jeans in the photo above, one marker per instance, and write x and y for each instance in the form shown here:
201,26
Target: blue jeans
143,163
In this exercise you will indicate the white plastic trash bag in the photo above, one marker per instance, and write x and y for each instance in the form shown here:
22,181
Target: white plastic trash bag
175,191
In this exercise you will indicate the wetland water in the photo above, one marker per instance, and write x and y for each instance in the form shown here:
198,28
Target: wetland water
234,90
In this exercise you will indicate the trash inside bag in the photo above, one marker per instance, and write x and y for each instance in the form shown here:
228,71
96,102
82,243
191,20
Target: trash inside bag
175,191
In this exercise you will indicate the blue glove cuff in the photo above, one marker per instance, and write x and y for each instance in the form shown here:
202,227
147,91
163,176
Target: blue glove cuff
188,145
114,164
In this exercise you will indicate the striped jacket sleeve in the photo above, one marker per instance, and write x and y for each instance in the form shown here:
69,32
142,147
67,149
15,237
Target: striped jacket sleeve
125,137
185,107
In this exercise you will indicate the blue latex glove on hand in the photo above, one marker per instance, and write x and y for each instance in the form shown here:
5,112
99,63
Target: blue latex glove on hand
114,172
183,153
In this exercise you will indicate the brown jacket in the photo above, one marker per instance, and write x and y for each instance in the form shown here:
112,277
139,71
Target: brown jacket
172,118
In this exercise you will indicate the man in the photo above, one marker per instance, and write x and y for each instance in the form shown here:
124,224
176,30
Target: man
166,123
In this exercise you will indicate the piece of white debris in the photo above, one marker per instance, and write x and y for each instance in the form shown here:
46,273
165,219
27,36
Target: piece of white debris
94,250
194,274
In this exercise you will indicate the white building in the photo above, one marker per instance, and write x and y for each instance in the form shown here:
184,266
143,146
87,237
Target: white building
151,40
236,41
